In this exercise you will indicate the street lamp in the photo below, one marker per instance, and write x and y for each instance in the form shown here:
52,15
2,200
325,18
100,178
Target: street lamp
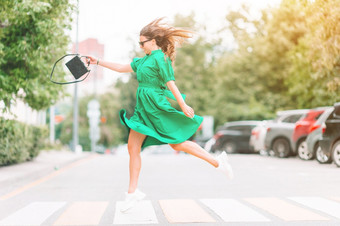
75,100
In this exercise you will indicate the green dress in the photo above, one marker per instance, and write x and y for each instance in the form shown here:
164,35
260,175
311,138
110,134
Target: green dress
154,116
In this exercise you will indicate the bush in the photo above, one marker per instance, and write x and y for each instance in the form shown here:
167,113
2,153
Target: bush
19,142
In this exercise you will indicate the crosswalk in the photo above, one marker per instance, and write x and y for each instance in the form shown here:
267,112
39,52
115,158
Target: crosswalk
209,211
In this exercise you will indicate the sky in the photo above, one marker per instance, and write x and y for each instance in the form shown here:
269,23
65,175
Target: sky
116,23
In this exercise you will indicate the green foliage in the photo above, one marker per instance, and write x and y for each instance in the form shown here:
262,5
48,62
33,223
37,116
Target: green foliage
315,60
32,37
20,142
113,132
194,69
67,126
287,58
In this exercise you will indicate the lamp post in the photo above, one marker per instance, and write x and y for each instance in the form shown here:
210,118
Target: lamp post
75,100
52,124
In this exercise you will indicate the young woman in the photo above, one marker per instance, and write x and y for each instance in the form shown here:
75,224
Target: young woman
154,120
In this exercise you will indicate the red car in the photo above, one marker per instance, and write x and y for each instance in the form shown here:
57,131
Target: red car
302,129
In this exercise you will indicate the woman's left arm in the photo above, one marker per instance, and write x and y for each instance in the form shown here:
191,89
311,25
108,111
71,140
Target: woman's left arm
187,110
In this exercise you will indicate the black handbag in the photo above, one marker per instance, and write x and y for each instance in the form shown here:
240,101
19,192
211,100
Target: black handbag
76,66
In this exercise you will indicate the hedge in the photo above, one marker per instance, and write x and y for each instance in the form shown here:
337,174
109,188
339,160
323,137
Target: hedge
20,142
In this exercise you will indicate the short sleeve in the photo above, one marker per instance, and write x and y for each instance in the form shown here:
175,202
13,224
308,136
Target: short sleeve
135,63
166,71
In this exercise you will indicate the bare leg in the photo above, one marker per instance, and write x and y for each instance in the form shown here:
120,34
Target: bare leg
134,146
195,150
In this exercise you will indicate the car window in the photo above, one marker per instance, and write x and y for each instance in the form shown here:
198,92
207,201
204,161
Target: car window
245,129
331,116
318,116
292,118
337,110
277,119
248,129
233,128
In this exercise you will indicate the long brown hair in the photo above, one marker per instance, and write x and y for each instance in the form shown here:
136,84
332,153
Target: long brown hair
166,36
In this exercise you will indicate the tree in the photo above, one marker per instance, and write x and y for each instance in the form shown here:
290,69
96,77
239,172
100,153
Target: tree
32,38
287,58
195,68
113,132
262,48
315,61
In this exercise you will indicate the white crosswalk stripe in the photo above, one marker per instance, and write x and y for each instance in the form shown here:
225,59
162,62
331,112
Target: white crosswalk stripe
233,211
242,210
33,214
284,209
142,213
329,207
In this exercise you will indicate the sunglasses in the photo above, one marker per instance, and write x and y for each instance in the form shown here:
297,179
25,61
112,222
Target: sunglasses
142,43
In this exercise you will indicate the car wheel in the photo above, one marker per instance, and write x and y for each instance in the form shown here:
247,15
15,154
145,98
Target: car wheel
336,153
303,152
321,157
229,147
281,148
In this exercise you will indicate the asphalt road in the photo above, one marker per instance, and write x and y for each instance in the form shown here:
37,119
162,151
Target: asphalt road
181,189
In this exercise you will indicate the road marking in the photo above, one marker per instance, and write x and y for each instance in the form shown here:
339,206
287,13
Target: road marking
324,205
34,214
284,209
178,211
43,179
233,211
82,213
142,213
184,211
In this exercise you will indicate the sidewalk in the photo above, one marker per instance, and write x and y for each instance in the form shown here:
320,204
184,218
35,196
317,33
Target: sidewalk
45,163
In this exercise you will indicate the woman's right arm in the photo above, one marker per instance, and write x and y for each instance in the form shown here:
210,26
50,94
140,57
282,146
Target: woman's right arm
123,68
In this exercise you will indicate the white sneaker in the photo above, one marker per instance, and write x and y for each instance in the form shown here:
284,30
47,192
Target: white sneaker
224,166
131,199
140,195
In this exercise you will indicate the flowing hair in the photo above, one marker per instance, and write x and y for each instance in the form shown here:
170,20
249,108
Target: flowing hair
166,36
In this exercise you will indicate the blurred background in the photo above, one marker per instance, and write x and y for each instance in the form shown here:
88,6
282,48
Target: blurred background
248,61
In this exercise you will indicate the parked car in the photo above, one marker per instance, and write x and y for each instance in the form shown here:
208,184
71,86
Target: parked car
200,140
279,132
315,134
232,137
330,141
258,135
301,131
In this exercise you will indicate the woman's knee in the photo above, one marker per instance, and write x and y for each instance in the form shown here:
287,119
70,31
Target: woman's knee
176,147
134,149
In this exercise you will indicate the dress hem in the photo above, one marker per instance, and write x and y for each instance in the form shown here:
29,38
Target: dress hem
157,140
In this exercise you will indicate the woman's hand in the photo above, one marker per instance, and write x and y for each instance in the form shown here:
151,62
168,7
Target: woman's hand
91,60
188,111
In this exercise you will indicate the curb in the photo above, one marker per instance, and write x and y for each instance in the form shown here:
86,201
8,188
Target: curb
45,163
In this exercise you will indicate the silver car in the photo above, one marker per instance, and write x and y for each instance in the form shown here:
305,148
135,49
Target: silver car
313,148
279,132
